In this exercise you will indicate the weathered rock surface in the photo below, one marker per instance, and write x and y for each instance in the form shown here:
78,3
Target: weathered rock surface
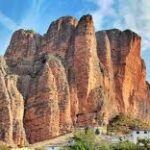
11,108
88,75
69,77
126,69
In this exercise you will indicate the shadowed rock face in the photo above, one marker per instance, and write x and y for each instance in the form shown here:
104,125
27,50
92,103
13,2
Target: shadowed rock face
69,77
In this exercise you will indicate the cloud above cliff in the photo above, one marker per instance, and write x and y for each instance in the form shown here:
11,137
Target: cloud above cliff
7,22
128,14
32,15
35,13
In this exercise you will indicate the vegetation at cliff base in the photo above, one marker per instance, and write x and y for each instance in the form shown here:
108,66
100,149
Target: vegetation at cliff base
119,146
86,140
83,140
124,124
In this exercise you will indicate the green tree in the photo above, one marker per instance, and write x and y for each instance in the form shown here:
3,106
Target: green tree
87,138
84,140
125,124
97,132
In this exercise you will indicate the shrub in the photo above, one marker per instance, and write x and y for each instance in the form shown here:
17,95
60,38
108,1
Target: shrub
84,140
87,137
97,132
117,146
124,124
29,31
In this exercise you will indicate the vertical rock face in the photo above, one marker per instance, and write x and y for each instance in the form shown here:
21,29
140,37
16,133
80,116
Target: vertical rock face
127,69
41,117
69,77
58,38
87,72
47,109
11,108
65,122
24,44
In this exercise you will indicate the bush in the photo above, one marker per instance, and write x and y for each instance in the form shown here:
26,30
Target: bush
117,146
87,138
29,31
124,124
84,140
97,132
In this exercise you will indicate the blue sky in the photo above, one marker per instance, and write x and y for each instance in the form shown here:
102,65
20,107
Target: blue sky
37,15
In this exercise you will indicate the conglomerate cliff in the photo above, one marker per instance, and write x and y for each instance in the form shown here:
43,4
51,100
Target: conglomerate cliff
69,77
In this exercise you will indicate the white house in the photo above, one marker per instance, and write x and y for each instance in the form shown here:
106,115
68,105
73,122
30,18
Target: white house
139,134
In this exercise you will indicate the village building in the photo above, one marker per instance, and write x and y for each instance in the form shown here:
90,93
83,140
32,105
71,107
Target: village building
135,135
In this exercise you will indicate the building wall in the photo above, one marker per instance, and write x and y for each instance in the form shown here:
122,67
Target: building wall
135,135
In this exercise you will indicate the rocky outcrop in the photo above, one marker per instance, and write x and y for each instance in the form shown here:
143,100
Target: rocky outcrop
57,40
88,75
127,70
11,108
69,77
41,119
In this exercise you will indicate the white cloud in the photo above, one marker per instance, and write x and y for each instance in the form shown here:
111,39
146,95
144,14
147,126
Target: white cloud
104,8
131,14
11,26
7,22
34,14
29,20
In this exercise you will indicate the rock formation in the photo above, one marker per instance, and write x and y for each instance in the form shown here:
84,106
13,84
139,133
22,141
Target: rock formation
126,70
70,77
